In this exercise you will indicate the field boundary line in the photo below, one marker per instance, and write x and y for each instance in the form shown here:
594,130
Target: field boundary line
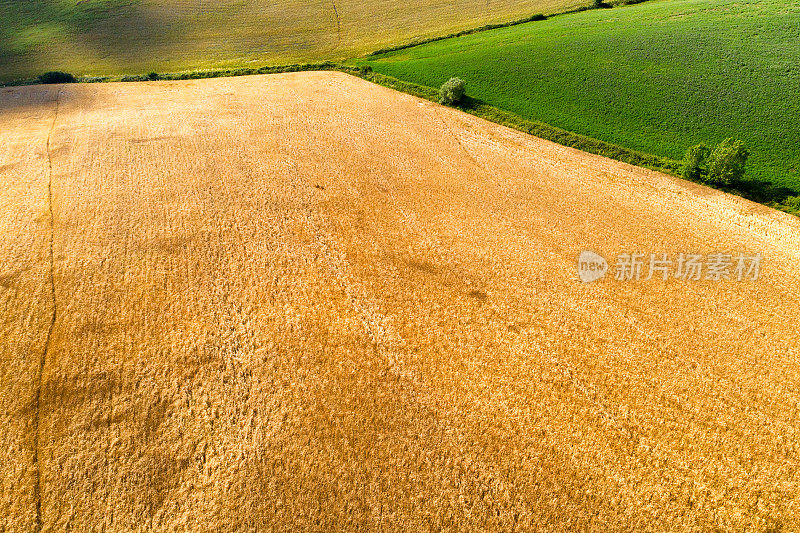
37,488
537,17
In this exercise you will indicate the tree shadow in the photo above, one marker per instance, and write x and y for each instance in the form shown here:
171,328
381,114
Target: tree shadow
764,192
469,103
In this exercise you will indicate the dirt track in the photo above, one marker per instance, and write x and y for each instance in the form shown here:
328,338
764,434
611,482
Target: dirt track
305,301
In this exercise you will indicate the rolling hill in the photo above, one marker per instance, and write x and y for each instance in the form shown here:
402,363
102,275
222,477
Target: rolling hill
90,37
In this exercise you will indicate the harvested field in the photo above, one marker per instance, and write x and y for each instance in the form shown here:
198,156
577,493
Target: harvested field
303,301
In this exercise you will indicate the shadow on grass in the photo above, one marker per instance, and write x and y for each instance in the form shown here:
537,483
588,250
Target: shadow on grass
765,192
119,29
469,103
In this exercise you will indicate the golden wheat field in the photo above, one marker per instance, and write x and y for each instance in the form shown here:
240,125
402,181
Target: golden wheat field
305,302
139,36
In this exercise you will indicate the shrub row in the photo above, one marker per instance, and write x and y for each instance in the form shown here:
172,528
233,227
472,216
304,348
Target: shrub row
538,129
461,33
574,140
224,73
191,75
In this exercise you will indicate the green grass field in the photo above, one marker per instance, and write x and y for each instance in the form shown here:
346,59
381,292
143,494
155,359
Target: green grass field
656,77
92,37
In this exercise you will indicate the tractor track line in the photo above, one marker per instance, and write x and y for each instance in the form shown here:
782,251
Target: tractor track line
338,24
37,488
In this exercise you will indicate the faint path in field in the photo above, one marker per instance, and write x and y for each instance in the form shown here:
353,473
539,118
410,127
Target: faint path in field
388,344
587,389
37,490
338,24
390,347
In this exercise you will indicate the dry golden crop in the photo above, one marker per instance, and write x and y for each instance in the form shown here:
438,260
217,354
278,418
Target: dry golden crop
303,301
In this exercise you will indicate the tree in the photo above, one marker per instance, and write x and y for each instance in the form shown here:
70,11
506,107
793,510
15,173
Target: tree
57,77
452,92
694,162
726,163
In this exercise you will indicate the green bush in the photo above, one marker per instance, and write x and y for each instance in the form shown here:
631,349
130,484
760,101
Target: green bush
452,92
722,166
793,203
726,163
57,77
694,163
153,76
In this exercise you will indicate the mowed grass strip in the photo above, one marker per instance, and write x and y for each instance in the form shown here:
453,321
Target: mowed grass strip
138,36
656,77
